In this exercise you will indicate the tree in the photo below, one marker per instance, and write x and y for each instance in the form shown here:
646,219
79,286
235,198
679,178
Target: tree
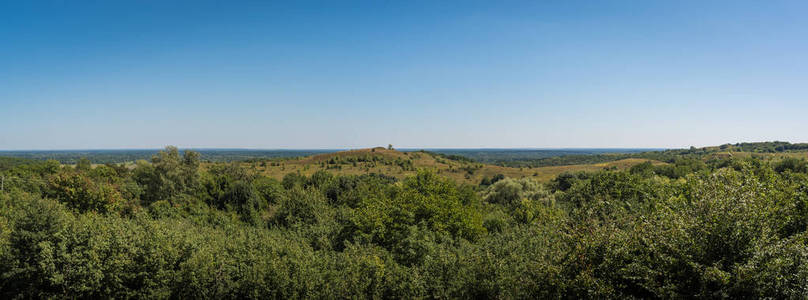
792,164
425,201
79,191
169,175
510,191
83,164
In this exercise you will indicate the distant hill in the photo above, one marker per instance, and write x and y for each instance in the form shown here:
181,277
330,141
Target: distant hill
400,164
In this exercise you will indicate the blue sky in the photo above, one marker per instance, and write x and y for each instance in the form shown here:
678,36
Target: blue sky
344,74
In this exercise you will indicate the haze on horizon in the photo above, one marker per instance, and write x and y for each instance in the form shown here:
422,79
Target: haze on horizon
417,74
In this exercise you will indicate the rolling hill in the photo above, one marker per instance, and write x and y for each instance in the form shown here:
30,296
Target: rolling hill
401,164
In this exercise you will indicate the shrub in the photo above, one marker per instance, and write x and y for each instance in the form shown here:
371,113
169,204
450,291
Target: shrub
792,165
510,192
80,192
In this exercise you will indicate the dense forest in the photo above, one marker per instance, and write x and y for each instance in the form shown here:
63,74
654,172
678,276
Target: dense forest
693,225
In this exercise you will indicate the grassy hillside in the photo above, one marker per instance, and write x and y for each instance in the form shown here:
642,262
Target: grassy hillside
402,164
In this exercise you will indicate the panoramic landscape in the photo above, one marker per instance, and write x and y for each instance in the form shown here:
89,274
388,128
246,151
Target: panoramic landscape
403,150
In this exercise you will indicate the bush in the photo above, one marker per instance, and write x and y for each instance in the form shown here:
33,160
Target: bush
510,192
80,192
792,165
300,206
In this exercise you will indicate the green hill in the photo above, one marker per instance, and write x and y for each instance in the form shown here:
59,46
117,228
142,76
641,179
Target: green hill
401,164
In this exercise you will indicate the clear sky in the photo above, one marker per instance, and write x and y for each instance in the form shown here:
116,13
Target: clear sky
344,74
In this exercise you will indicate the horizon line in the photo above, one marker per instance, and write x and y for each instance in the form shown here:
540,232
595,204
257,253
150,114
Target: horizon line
346,149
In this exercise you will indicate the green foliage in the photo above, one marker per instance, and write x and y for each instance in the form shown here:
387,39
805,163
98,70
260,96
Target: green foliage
293,180
81,192
270,190
489,181
301,206
83,165
792,165
425,203
168,175
7,163
510,192
732,228
645,168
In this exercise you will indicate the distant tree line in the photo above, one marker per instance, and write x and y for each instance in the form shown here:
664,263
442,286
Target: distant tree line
121,156
664,156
